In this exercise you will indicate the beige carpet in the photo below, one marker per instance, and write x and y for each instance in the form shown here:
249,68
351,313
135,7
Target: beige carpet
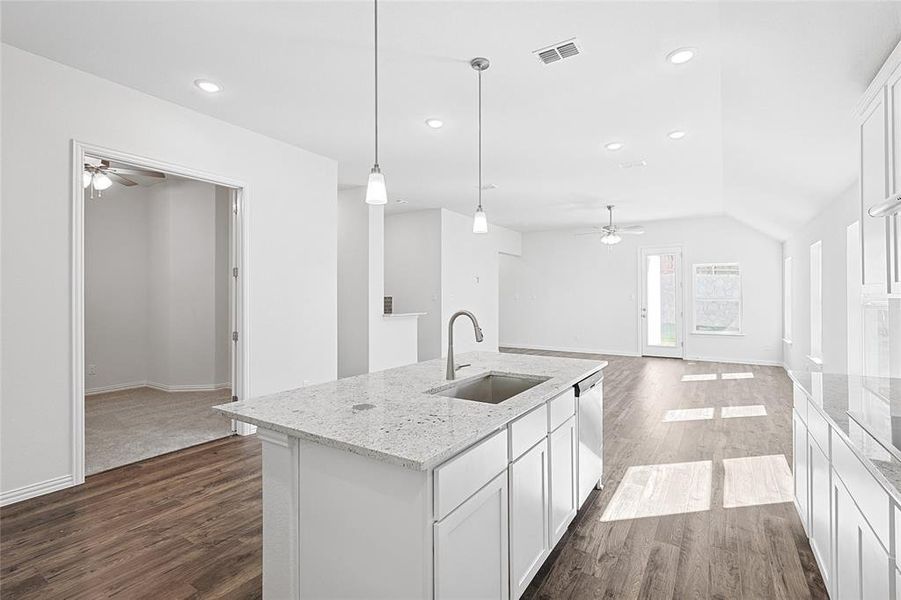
130,425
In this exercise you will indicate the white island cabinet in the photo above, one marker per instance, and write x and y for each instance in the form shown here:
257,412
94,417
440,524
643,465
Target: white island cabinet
383,486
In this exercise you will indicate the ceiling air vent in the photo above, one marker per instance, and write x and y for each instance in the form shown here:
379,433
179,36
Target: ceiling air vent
558,51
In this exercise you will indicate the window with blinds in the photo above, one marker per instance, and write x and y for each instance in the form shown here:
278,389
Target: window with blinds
717,298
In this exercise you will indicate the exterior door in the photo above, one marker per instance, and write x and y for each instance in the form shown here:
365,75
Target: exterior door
661,302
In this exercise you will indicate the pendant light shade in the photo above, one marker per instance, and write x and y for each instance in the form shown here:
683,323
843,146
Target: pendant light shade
480,219
376,190
86,178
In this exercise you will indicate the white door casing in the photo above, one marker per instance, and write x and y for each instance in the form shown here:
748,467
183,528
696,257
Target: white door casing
661,308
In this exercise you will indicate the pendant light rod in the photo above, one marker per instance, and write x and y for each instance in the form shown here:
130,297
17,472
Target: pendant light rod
376,191
480,64
376,60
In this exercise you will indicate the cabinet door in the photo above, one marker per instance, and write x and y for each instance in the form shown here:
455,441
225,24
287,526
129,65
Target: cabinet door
847,545
799,467
471,552
529,529
874,188
564,444
893,88
862,566
820,510
876,570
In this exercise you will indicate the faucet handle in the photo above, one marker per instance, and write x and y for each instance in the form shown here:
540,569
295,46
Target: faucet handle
458,367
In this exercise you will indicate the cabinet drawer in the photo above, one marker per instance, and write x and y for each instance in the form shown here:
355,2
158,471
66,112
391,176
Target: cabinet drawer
561,408
527,431
818,428
871,499
800,402
463,475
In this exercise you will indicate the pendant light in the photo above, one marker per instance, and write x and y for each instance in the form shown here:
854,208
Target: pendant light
376,192
480,219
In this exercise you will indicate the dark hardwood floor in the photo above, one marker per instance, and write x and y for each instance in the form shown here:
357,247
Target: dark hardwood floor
181,525
749,552
188,524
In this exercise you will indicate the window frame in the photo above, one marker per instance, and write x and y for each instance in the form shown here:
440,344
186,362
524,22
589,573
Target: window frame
787,299
694,299
816,304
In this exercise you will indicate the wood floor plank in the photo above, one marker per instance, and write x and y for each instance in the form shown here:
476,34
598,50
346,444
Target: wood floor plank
189,524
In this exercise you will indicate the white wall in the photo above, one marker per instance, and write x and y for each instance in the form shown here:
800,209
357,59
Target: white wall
292,247
413,273
830,227
180,340
367,340
434,263
116,287
571,292
353,284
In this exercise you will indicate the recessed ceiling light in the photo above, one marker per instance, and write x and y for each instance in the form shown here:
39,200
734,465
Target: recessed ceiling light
434,123
681,56
614,146
210,87
676,134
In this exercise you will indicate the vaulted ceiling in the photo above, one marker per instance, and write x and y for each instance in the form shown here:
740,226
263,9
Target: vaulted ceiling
767,103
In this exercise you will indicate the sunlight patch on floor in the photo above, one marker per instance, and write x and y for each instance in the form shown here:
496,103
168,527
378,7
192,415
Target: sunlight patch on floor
756,480
699,377
657,490
688,414
752,410
746,375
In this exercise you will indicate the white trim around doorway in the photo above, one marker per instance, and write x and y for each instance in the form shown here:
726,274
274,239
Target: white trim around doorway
240,237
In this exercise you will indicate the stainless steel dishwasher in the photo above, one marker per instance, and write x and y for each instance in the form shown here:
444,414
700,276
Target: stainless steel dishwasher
590,398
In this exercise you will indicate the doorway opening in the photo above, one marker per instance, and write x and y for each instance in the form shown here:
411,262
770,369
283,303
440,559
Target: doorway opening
661,302
157,308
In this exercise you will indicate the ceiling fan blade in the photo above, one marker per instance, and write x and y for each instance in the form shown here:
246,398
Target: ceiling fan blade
119,179
135,172
630,228
590,233
630,231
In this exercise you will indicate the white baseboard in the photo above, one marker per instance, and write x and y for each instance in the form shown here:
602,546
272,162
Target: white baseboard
736,361
568,349
765,363
203,387
36,489
116,387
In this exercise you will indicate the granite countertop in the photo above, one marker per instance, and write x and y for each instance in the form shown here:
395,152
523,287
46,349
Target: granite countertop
875,405
391,416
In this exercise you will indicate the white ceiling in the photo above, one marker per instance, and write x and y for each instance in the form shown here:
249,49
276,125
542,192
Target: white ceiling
768,102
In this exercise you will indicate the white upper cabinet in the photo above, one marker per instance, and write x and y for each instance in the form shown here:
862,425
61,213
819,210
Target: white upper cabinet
879,118
893,91
873,187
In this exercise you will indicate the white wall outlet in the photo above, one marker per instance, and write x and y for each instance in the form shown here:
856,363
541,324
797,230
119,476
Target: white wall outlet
92,369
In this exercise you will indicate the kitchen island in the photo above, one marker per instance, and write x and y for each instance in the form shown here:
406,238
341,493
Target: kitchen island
386,485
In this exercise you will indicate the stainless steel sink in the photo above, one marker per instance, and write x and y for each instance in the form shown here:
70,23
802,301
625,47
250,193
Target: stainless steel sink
490,388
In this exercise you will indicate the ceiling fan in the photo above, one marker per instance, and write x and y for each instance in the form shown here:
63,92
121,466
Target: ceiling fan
99,174
611,234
